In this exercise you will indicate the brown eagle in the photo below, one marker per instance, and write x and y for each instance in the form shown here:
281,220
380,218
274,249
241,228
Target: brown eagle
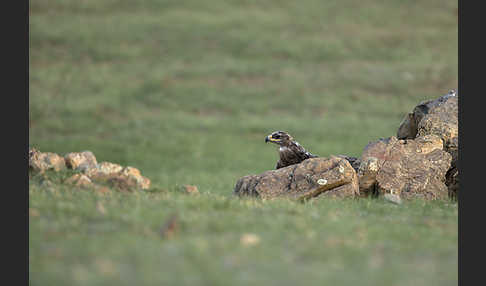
290,151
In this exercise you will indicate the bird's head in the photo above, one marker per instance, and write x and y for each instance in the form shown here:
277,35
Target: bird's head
279,137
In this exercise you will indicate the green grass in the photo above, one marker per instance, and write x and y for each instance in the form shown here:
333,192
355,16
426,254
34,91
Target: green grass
186,91
370,242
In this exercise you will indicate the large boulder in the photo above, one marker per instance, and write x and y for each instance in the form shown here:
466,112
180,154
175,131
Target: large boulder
437,117
314,177
410,168
440,117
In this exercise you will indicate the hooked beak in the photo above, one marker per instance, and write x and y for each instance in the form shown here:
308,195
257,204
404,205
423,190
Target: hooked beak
269,138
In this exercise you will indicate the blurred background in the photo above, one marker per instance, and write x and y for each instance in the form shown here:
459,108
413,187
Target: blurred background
186,91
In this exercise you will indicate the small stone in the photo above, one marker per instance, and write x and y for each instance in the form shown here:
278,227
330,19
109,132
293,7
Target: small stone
100,208
102,189
393,198
322,182
190,189
81,161
105,267
249,239
46,183
33,212
122,183
79,180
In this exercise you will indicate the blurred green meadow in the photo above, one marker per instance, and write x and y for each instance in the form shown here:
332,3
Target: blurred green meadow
186,91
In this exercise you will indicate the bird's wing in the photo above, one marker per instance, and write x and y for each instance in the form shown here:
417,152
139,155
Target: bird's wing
300,152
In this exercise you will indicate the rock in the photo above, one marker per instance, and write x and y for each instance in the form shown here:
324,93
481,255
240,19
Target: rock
249,239
355,162
79,180
367,172
437,117
447,104
406,168
103,169
192,190
81,161
128,179
323,177
134,173
33,212
452,182
100,208
107,168
101,189
442,120
116,180
40,162
393,198
123,178
46,183
372,158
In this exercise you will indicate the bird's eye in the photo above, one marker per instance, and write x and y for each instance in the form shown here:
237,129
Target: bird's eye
276,136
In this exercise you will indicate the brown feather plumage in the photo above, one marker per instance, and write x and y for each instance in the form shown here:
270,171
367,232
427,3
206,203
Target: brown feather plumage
290,151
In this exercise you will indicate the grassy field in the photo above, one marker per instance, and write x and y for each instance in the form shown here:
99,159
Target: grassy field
186,91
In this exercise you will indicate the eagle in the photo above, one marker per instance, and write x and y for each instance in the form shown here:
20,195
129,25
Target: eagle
290,151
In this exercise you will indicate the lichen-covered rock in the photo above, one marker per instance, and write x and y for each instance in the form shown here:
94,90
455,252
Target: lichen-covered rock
135,174
436,117
355,162
372,158
108,168
442,120
445,107
81,161
406,168
116,181
104,168
79,180
314,177
367,172
40,162
127,178
122,178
